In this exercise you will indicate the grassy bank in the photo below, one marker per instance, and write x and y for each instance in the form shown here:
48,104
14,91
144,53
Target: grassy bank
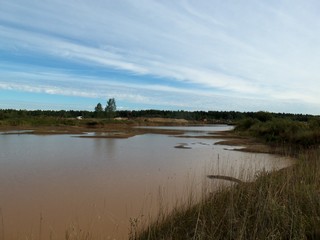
34,122
48,121
278,205
103,127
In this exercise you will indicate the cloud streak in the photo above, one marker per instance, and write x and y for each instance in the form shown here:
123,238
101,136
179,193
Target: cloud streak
268,51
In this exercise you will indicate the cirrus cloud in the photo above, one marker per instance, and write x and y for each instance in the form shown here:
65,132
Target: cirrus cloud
249,55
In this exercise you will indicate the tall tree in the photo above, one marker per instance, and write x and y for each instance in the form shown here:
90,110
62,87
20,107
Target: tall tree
98,110
111,108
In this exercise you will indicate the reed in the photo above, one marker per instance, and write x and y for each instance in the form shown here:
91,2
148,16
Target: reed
278,205
281,204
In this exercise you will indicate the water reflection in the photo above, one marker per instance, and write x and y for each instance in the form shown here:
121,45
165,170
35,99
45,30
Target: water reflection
105,147
50,184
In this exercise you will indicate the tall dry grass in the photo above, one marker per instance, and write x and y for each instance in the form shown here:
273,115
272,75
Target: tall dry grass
278,205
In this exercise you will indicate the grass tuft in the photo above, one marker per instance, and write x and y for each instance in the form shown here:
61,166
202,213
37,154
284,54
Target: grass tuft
278,205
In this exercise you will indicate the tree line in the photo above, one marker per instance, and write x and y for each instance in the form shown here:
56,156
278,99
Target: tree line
110,111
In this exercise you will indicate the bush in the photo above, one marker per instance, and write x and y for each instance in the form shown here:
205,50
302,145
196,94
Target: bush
283,131
245,124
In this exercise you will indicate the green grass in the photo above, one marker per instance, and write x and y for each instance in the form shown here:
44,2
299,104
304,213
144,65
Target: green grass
38,122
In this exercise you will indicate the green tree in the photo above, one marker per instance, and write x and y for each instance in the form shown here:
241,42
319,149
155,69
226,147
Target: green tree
98,110
263,116
111,108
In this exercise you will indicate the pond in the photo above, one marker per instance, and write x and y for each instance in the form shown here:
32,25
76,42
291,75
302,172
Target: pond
57,185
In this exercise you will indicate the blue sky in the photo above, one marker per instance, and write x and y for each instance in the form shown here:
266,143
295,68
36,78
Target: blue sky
243,55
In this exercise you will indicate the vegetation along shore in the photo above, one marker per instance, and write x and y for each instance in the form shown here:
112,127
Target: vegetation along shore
278,205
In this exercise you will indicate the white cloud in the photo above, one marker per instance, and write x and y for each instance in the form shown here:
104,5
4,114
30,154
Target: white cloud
241,50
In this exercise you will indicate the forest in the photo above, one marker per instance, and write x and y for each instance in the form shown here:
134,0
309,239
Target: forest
228,116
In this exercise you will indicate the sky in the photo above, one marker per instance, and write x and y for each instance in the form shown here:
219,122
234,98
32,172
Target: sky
225,55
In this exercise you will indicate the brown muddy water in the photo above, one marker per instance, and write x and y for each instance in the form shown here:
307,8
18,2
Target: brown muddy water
59,186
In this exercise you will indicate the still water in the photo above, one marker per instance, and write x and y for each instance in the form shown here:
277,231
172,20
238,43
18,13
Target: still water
57,185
